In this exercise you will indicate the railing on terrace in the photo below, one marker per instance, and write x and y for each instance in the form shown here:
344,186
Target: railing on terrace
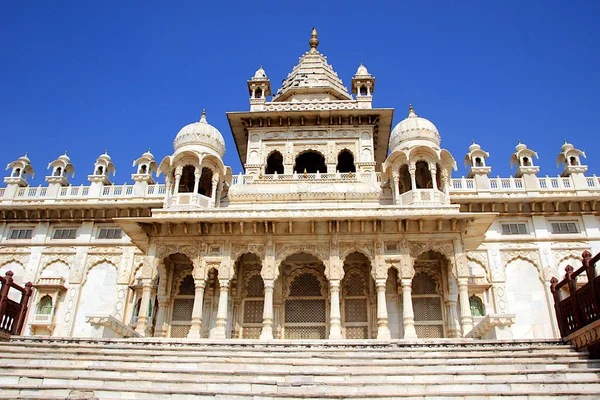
592,181
82,192
506,183
555,183
318,177
12,314
578,307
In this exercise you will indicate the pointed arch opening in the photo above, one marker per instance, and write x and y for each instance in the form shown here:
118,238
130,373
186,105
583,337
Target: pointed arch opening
274,163
423,175
205,186
310,162
428,290
345,162
404,183
186,183
357,290
250,297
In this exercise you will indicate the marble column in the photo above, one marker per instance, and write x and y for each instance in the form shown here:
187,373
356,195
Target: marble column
163,304
267,328
453,329
197,176
213,193
142,321
383,331
196,327
396,183
335,320
219,332
412,170
408,317
466,319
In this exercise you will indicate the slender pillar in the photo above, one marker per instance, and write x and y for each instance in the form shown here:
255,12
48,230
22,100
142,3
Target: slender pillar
412,170
466,319
433,176
383,331
335,320
197,176
213,193
142,321
178,172
197,309
396,180
408,318
163,304
453,328
267,328
219,331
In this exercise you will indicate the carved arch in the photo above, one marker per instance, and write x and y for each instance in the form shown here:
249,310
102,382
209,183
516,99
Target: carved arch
306,270
320,251
532,259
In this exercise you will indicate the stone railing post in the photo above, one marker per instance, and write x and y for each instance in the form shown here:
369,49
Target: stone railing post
142,321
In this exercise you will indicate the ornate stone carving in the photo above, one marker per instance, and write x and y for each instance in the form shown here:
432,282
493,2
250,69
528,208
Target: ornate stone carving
238,249
319,250
165,250
528,255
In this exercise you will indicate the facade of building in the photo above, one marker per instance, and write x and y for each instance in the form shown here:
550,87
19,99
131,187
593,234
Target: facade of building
341,227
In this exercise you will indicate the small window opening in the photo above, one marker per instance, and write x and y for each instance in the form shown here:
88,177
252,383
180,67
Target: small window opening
143,169
404,185
17,172
573,161
45,305
345,162
526,162
258,93
100,170
58,171
477,307
478,162
423,176
311,162
363,90
205,187
274,163
186,182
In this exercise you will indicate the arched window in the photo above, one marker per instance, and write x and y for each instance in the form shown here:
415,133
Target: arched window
404,185
477,307
143,169
478,162
345,162
274,163
205,187
573,160
363,90
45,305
526,162
58,171
311,162
17,172
100,170
258,93
186,183
423,175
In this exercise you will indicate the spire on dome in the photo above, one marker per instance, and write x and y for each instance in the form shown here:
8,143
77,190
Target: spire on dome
411,111
313,42
203,117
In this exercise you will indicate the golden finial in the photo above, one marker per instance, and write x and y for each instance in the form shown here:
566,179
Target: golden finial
410,110
203,117
313,42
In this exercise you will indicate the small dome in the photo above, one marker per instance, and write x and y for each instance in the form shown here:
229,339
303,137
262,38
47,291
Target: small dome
520,147
566,147
25,159
362,70
474,146
148,155
105,157
200,133
414,128
65,158
260,74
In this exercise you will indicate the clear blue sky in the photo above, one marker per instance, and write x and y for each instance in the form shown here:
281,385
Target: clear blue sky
86,76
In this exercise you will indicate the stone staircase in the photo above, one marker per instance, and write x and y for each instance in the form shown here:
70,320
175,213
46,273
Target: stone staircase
51,368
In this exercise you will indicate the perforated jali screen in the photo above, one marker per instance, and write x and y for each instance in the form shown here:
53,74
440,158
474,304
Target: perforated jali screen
305,309
427,306
356,315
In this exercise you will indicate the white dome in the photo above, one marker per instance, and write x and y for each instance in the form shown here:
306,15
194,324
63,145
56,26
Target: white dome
260,74
65,158
362,70
200,133
414,128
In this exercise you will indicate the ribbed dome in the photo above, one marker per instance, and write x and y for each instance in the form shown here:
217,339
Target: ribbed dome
200,133
414,128
362,71
260,74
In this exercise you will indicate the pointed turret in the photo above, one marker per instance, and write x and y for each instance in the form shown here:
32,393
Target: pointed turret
363,86
312,79
61,169
259,87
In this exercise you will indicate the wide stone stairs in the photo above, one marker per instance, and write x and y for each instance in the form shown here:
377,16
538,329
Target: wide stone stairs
51,368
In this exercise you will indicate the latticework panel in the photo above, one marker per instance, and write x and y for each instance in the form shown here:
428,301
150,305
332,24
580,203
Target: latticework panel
255,287
306,285
429,331
251,333
423,283
354,285
357,332
253,311
187,286
309,310
355,310
427,308
182,310
308,332
180,331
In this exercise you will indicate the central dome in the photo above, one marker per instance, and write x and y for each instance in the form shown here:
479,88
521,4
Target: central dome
200,133
414,128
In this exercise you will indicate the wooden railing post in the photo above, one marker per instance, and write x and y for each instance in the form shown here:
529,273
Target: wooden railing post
590,269
572,284
25,296
6,283
557,299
